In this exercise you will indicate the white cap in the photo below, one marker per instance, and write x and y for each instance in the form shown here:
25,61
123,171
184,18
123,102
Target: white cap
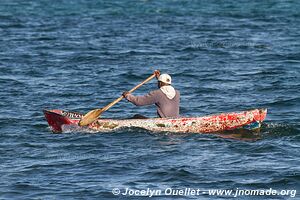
165,78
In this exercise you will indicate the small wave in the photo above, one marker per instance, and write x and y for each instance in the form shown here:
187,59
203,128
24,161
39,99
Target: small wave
45,38
284,102
83,58
137,52
279,129
170,175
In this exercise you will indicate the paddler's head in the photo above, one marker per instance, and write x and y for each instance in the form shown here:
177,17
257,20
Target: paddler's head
164,80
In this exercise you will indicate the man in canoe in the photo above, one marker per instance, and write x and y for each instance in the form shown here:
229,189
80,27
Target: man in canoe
166,98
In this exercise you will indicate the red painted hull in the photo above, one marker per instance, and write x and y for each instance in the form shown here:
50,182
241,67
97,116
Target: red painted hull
251,119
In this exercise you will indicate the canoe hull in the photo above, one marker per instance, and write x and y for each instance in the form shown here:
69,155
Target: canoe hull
249,120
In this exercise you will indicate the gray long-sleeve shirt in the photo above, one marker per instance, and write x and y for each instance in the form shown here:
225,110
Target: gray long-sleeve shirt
165,107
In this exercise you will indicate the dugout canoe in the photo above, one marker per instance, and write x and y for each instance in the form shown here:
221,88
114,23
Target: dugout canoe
58,120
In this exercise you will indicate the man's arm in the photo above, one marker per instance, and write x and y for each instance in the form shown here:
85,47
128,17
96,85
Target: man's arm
147,99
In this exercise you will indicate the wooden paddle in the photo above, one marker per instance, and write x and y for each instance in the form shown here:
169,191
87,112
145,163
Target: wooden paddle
93,115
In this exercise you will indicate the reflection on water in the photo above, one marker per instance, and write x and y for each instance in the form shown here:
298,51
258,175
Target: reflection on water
168,138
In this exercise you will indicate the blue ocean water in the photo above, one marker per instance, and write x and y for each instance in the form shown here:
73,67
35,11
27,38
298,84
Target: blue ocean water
78,55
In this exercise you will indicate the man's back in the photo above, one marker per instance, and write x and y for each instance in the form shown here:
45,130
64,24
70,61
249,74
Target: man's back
165,107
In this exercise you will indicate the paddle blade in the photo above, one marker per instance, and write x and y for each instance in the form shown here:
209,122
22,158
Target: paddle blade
90,117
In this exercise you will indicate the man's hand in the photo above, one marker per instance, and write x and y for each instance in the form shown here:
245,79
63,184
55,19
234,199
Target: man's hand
125,94
157,73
